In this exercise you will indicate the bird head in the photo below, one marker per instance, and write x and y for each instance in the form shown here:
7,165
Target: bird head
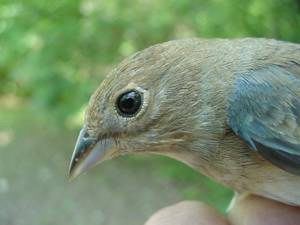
148,103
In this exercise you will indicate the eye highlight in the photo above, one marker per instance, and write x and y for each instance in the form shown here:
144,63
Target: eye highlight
129,103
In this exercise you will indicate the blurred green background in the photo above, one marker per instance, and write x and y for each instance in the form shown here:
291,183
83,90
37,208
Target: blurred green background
53,54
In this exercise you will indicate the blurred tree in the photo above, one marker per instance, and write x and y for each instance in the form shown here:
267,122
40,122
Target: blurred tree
54,53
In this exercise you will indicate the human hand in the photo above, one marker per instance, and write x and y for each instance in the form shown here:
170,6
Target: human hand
252,210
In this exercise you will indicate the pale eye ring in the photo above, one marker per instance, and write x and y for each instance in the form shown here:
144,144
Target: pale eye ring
129,103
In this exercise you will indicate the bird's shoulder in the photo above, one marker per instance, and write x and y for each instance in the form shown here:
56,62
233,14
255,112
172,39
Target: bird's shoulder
264,110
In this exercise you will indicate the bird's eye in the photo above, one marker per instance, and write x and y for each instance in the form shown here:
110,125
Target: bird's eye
129,103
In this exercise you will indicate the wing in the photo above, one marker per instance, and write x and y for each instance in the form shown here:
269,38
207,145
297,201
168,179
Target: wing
264,110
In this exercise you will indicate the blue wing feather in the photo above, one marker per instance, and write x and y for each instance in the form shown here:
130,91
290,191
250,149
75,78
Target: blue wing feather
264,110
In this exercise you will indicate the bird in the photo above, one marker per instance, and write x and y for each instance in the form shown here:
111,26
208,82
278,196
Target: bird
228,108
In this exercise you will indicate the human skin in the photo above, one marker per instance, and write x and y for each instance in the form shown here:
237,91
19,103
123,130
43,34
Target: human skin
252,210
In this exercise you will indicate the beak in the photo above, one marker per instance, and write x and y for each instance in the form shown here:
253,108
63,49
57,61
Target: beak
88,152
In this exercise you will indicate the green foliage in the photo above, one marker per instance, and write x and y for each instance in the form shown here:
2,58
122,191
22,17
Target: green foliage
54,53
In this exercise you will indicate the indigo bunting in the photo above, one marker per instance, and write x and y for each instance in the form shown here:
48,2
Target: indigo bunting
228,108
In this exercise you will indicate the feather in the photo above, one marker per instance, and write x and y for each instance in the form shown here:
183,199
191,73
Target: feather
264,110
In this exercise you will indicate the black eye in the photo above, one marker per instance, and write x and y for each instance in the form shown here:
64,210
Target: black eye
129,103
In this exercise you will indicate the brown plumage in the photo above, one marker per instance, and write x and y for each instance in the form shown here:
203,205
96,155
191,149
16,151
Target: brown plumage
228,108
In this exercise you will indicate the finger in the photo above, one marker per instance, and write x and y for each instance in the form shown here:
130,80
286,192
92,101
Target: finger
254,210
187,213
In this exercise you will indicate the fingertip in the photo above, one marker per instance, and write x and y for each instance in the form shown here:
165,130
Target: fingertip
187,212
255,210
